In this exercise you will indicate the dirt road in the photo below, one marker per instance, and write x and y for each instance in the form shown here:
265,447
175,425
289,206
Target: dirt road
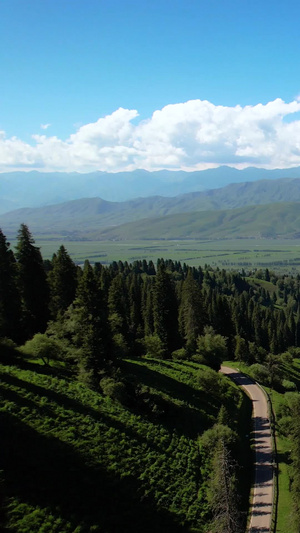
261,511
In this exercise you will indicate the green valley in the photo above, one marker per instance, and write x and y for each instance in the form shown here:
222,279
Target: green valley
114,415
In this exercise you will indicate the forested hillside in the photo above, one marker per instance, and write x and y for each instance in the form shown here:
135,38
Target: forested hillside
109,382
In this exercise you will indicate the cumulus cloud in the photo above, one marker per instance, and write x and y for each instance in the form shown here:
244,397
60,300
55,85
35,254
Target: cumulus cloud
191,135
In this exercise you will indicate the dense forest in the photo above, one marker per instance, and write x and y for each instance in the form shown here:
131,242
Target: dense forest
127,421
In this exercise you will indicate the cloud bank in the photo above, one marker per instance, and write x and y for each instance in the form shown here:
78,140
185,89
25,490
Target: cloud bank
192,135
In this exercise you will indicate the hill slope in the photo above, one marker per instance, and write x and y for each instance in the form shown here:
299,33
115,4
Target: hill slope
36,189
88,463
268,221
90,214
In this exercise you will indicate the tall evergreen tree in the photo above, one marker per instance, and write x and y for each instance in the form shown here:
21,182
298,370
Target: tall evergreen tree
191,311
226,516
92,328
147,306
62,281
118,305
10,304
165,310
32,284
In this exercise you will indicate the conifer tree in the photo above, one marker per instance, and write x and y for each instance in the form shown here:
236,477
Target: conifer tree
191,311
135,306
10,304
118,306
32,284
147,306
223,493
62,281
165,310
92,328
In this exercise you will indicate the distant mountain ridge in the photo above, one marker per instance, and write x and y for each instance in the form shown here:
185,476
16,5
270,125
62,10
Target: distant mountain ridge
37,189
89,215
261,221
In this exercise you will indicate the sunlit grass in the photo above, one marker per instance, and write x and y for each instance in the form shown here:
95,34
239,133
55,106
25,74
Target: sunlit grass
232,253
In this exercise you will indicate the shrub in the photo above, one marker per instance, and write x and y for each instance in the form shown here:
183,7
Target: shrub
116,390
208,379
211,348
219,432
260,373
179,355
154,346
289,385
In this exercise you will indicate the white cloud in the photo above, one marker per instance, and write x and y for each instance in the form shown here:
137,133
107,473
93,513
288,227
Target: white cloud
191,135
45,126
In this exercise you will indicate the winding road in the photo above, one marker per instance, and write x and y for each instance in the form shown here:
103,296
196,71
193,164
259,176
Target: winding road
262,500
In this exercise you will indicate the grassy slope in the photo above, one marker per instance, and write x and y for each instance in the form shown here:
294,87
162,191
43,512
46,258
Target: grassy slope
94,212
74,460
268,220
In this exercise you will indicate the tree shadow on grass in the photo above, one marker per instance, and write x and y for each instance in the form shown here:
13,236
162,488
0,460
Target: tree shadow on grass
172,387
11,356
45,473
192,418
64,401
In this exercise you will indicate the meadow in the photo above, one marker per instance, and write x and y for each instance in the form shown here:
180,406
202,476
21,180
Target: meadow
277,254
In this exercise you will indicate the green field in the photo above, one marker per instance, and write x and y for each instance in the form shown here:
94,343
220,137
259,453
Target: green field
238,253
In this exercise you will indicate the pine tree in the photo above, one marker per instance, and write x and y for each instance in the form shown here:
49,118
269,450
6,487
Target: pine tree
135,306
92,328
165,310
62,281
10,304
223,493
191,311
32,284
147,306
118,305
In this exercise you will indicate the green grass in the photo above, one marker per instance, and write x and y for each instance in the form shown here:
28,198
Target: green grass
278,255
284,517
74,460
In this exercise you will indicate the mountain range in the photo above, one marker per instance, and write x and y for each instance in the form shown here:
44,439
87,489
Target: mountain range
265,208
37,189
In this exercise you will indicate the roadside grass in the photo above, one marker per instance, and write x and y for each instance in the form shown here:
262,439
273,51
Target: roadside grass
284,515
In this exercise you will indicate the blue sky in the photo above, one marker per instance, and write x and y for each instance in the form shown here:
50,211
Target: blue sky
69,63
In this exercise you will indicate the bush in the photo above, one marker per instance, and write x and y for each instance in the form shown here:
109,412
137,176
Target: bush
211,348
289,386
180,355
8,350
260,373
219,432
116,390
120,346
285,425
154,346
208,380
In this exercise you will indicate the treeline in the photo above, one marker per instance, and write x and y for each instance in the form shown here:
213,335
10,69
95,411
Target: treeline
97,314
